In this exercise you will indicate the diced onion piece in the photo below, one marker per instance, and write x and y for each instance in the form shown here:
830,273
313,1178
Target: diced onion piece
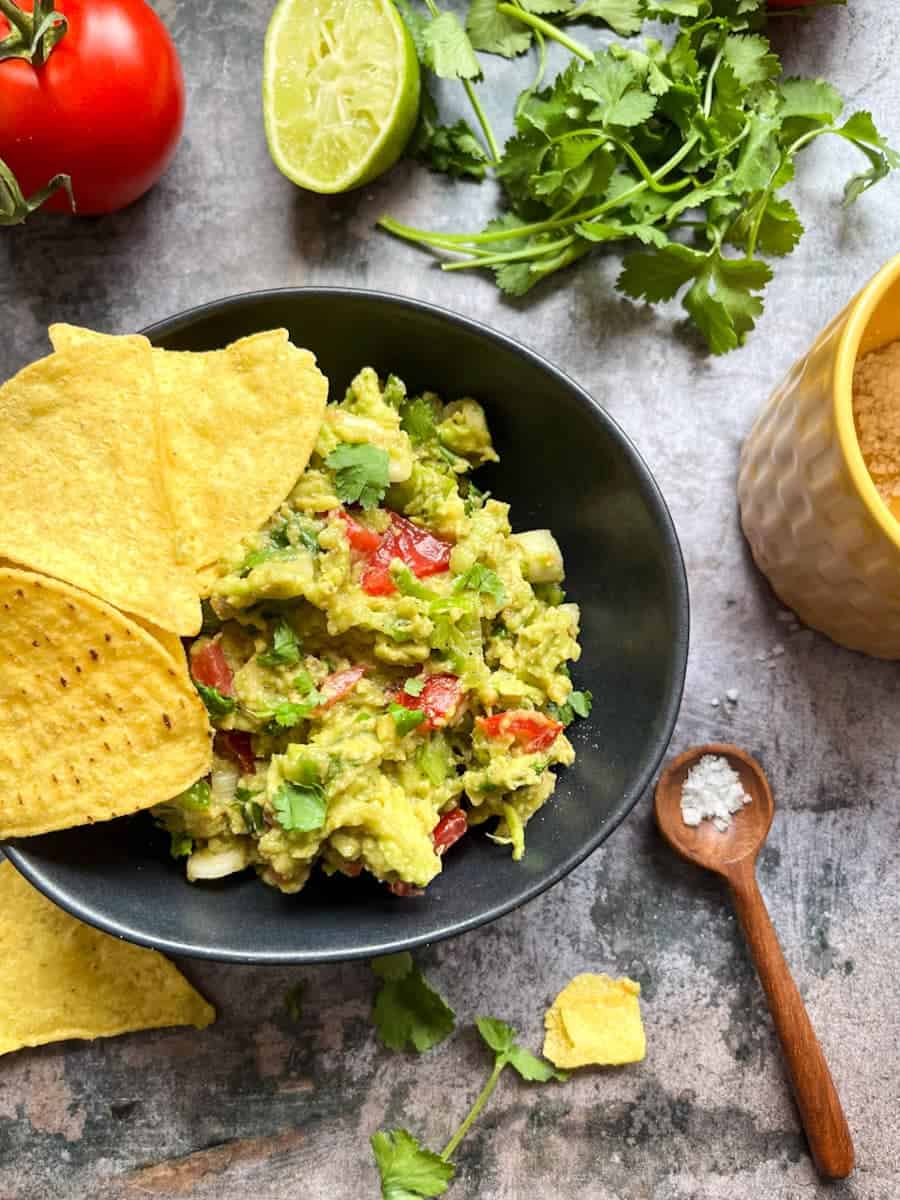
215,864
543,561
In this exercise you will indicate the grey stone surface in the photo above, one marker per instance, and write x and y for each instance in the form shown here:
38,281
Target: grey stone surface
259,1107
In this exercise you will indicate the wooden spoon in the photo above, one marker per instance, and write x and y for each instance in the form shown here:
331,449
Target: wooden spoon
733,856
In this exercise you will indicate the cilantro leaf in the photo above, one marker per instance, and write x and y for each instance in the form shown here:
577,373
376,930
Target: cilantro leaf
580,703
285,648
811,98
217,705
405,719
624,16
749,58
531,1067
408,1171
417,418
361,473
480,578
407,1010
452,149
658,276
502,1040
498,1035
448,51
299,808
616,86
495,32
288,713
860,130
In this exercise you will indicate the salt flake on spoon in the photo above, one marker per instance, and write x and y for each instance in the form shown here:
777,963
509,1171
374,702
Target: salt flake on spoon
712,791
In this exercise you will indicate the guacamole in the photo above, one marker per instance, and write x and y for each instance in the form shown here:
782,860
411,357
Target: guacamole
385,662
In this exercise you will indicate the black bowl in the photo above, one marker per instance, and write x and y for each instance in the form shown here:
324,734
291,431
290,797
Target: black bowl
565,465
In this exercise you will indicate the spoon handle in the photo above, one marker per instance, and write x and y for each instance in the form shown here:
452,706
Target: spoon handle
820,1108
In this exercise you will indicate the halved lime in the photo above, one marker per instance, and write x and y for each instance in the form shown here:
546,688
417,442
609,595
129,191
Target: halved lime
340,91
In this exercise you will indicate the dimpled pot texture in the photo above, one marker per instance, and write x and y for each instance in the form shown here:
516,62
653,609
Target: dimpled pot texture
565,465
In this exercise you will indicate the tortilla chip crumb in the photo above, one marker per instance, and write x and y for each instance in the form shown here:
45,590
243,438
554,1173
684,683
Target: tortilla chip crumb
595,1021
62,979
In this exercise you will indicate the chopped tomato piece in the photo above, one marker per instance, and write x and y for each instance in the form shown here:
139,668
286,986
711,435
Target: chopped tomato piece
235,744
405,889
416,548
360,538
449,829
340,684
532,730
352,869
210,667
439,699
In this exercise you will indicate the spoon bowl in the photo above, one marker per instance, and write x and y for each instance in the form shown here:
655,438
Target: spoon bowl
703,844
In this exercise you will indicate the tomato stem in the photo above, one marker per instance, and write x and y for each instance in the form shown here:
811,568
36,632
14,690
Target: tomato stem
14,207
32,34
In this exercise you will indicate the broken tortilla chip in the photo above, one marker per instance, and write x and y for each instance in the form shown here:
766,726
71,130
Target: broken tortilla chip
62,979
595,1020
239,426
96,717
83,495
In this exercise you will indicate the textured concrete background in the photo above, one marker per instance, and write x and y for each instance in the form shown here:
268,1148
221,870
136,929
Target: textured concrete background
258,1107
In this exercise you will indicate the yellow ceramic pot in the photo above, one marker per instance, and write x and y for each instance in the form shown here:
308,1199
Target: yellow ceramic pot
816,524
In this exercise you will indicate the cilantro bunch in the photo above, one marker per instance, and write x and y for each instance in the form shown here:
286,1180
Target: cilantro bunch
680,148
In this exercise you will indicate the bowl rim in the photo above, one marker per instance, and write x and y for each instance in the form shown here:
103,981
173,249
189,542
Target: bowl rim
629,799
858,317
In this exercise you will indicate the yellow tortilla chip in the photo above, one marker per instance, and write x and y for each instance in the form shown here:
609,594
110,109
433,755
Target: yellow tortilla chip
82,494
62,979
595,1020
170,642
239,425
96,718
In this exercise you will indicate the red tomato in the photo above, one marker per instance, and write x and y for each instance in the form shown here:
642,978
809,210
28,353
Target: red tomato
210,667
106,108
418,549
359,537
235,744
449,829
353,869
532,730
340,684
439,700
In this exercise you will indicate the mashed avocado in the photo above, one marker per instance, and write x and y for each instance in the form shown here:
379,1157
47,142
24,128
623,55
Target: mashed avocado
385,662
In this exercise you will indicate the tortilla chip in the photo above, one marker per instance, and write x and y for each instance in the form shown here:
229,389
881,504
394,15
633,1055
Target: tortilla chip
240,425
595,1020
96,719
82,493
62,979
170,642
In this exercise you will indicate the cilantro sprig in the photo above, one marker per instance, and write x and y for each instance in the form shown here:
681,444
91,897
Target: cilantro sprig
682,150
408,1170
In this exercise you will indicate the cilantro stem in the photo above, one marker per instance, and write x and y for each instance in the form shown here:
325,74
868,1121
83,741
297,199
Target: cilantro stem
480,1101
490,260
485,124
544,27
711,77
480,115
465,243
